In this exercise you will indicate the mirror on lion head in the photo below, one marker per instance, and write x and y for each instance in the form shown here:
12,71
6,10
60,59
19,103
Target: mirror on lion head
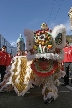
45,41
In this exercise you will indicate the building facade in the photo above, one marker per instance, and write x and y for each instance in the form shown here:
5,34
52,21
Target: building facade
13,50
2,41
10,49
20,43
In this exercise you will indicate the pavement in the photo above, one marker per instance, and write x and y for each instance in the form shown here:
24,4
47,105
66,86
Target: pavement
33,99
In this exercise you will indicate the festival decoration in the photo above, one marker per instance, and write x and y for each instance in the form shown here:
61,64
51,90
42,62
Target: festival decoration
42,39
70,16
42,65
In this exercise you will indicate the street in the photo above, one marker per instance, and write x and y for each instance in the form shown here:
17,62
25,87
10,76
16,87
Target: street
34,99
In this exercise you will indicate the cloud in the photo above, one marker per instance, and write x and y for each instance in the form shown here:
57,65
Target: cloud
66,23
13,44
68,29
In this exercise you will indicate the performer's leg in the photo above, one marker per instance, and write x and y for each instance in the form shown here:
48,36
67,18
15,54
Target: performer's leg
0,72
3,72
71,70
66,77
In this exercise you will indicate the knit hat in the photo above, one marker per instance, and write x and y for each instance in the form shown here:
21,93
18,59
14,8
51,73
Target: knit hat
4,46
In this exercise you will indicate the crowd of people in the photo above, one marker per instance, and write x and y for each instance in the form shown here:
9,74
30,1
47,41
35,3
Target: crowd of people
5,61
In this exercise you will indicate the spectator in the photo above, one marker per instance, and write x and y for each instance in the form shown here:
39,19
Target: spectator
67,62
18,53
25,53
21,53
4,57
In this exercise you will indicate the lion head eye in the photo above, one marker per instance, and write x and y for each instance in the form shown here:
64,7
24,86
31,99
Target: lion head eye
58,39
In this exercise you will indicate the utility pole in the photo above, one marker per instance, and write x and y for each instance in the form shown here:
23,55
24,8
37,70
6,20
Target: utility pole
70,16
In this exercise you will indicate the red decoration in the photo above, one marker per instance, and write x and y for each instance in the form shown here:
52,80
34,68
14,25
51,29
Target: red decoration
44,66
41,31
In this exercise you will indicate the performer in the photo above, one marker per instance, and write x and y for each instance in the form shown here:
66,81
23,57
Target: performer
39,67
4,61
67,62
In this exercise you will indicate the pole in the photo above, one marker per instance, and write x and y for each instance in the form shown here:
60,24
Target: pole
70,16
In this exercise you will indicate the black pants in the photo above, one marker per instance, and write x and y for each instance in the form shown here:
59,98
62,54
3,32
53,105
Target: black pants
67,66
2,71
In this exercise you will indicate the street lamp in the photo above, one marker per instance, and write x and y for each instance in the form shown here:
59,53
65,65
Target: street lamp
70,16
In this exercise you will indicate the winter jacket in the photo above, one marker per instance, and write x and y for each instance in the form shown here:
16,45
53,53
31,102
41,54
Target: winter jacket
4,58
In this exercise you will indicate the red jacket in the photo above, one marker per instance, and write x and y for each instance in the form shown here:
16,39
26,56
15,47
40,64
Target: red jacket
67,54
4,58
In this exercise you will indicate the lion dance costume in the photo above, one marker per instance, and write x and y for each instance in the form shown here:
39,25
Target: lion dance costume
41,66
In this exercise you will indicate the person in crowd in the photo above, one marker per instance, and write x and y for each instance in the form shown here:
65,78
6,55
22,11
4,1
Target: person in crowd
25,52
4,61
67,62
21,53
18,53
